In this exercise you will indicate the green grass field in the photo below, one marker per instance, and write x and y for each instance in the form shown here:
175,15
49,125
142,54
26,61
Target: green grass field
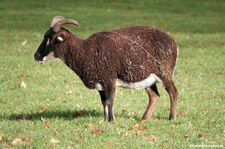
47,106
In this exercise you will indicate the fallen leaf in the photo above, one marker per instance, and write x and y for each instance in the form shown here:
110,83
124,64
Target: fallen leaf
131,114
124,134
212,143
151,138
45,107
22,85
69,92
27,138
124,111
71,83
54,141
16,141
197,126
186,136
192,117
80,139
91,126
138,134
202,135
170,135
96,131
76,114
138,127
47,124
181,114
131,119
22,76
24,43
5,38
161,119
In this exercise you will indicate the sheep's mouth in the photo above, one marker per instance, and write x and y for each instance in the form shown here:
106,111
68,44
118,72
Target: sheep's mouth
42,59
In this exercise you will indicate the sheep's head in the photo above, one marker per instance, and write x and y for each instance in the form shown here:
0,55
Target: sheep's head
54,39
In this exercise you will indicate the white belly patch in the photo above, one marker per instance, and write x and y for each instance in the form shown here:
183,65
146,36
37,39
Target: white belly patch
153,78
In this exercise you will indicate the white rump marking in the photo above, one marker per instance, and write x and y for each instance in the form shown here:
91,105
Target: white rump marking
99,87
153,78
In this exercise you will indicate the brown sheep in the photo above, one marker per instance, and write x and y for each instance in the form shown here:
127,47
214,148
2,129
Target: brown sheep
132,57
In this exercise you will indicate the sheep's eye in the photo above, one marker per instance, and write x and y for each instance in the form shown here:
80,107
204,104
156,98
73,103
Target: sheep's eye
55,41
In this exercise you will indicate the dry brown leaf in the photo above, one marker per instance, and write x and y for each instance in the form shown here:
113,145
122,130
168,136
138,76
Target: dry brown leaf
197,126
27,138
192,117
138,127
161,119
170,135
71,83
131,114
22,76
186,136
212,143
54,141
138,134
124,111
181,114
91,126
47,124
16,141
124,134
22,84
76,114
80,139
96,131
45,107
152,138
202,135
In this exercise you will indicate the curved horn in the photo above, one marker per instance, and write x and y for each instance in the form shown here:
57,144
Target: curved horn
59,21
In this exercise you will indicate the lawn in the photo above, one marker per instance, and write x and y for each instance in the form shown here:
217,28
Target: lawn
47,106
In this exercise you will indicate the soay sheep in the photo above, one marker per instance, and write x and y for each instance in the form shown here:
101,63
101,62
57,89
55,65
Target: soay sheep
133,57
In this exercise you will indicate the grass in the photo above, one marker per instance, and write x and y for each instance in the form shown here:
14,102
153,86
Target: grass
55,110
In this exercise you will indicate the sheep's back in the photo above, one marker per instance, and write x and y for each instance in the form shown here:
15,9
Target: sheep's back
133,53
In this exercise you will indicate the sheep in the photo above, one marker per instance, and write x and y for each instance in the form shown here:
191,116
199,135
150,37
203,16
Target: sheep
132,57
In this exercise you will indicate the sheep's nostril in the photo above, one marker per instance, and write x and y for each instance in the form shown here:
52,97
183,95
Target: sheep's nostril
37,56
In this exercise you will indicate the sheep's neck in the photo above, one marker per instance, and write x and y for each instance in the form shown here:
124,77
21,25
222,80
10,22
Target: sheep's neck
74,57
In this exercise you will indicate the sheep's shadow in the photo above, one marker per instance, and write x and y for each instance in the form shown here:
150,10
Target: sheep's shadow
66,115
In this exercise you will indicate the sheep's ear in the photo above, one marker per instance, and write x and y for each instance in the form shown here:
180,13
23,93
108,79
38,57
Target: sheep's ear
59,39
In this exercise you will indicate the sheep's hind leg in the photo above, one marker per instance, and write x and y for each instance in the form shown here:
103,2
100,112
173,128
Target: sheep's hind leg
173,93
107,99
153,95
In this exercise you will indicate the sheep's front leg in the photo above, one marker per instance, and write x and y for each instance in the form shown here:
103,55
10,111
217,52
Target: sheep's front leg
105,106
107,98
